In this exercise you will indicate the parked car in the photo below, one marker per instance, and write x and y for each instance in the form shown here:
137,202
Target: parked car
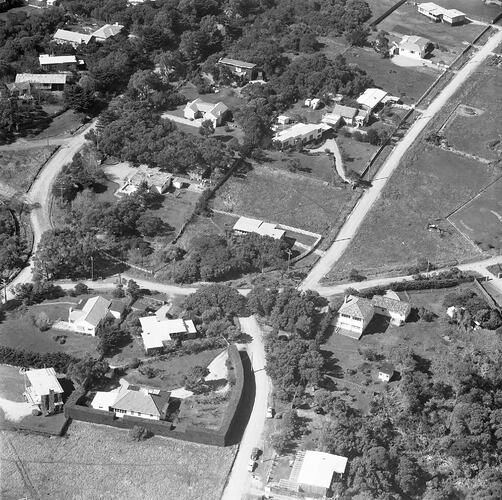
270,412
251,466
255,453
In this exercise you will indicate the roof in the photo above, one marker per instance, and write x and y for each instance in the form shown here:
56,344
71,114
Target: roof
95,310
59,78
317,468
413,41
236,62
47,59
344,111
437,10
141,401
247,225
108,30
386,368
358,307
152,175
454,13
72,36
389,304
103,400
207,107
268,229
43,381
300,129
371,97
162,312
117,305
155,331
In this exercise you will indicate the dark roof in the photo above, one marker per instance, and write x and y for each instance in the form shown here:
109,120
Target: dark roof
386,368
117,305
389,304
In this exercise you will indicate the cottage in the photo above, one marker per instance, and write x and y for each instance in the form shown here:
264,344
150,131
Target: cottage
60,63
20,90
354,316
133,401
154,178
107,31
71,37
215,113
414,46
439,14
397,310
386,372
300,133
158,329
42,389
43,81
371,98
347,115
86,317
247,225
240,68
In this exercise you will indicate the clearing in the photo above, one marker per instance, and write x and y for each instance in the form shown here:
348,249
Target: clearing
96,461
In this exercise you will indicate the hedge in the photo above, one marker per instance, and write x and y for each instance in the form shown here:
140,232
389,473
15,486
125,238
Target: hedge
29,359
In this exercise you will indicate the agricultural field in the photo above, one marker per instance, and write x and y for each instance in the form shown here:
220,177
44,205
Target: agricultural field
287,198
475,127
429,185
20,167
96,461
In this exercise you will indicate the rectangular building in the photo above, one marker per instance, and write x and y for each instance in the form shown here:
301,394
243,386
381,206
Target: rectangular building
300,133
43,81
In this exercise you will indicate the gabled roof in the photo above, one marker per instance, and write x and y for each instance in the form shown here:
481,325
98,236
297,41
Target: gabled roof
57,78
237,63
387,368
155,331
391,305
371,97
72,36
299,130
140,400
344,111
95,310
207,107
413,42
357,307
43,381
107,31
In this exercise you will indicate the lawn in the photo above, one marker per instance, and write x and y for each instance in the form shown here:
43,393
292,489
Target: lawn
279,196
18,331
355,154
20,167
407,83
96,461
478,132
65,123
428,185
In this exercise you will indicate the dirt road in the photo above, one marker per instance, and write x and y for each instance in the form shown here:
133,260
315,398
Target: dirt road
363,206
239,481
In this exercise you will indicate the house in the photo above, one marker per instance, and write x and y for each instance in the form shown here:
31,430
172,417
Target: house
215,113
414,46
300,133
386,372
348,115
397,310
371,98
354,316
41,4
107,31
87,316
332,120
438,14
153,177
42,389
43,81
60,63
240,68
20,90
284,120
133,401
247,225
158,329
72,37
311,476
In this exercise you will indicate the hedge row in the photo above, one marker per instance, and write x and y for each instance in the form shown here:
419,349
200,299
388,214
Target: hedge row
219,437
29,359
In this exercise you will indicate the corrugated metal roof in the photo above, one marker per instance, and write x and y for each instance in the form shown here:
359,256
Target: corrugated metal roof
49,78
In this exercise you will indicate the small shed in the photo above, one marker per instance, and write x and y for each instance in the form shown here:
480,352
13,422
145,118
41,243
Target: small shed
386,372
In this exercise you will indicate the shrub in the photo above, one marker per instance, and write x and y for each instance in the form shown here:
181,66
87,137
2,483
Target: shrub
148,372
36,412
81,289
118,292
139,433
134,363
42,322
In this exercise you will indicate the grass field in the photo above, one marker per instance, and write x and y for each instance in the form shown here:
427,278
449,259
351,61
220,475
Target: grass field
65,123
19,167
407,83
481,133
96,461
283,197
427,187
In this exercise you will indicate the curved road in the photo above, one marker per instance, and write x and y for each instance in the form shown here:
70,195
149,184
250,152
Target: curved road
363,206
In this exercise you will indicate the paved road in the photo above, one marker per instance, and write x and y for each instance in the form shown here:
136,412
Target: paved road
239,480
363,206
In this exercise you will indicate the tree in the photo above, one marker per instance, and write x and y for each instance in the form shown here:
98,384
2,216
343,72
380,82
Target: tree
87,372
79,99
194,379
151,225
81,289
381,44
42,322
133,289
228,299
207,128
139,433
111,337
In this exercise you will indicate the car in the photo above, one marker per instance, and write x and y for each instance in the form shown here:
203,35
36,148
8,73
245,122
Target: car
255,453
270,412
251,465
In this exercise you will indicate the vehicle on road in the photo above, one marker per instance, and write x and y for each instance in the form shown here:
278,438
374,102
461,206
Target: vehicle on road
251,465
255,453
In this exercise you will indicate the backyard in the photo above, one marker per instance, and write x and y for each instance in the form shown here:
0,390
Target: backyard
96,461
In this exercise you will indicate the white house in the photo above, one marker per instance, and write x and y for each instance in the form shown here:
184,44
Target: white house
437,13
354,316
216,113
300,133
397,310
346,115
414,46
107,31
284,120
73,38
246,225
240,68
154,178
59,63
371,98
134,401
42,389
44,81
87,317
385,372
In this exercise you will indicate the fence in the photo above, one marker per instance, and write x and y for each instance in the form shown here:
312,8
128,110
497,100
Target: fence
387,13
489,299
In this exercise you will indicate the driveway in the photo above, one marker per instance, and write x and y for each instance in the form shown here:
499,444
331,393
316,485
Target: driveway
332,147
366,202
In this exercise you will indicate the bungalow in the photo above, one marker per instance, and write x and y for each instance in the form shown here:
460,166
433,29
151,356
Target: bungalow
86,317
300,133
71,37
348,115
240,68
133,401
153,177
247,225
397,310
107,31
437,13
354,316
158,329
44,390
386,372
60,63
43,81
215,113
371,98
414,46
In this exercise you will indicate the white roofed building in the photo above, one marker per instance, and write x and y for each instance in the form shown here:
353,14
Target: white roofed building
59,63
154,178
72,37
44,81
247,225
87,316
371,98
300,133
157,329
240,68
42,389
107,31
215,113
437,13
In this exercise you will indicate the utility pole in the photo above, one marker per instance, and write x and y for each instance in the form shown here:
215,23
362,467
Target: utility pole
92,268
4,283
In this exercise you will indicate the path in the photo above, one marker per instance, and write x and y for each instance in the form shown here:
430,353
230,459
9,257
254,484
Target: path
366,202
238,483
332,146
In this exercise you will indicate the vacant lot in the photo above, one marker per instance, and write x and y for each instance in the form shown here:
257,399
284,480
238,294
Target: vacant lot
18,331
481,219
407,83
101,462
476,127
426,188
19,167
282,197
